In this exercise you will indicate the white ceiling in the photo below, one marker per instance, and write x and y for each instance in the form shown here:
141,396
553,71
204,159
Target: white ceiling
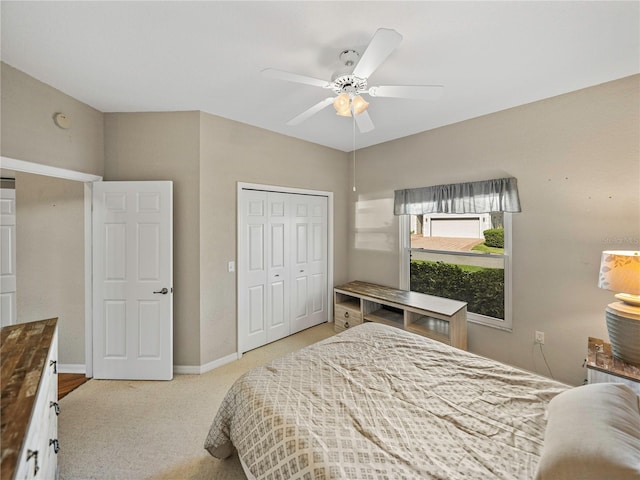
164,56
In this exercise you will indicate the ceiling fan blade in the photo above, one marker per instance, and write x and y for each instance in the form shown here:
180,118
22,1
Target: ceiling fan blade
310,112
384,42
417,92
294,77
364,122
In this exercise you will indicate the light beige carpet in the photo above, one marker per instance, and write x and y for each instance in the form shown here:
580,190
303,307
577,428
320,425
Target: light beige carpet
129,430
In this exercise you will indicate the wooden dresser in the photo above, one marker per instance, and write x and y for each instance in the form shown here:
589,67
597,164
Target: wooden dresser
29,409
438,318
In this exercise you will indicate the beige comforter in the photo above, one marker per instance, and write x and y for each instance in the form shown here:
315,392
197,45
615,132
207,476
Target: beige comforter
375,402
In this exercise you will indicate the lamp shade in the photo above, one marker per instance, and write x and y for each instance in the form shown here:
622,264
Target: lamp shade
620,271
359,105
342,104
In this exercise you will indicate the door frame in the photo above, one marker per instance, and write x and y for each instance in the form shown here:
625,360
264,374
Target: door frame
88,179
239,232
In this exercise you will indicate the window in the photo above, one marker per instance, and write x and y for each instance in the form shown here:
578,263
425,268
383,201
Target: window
463,257
455,242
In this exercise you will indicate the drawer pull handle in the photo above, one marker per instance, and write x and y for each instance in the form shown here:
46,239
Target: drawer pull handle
346,314
54,364
346,324
55,443
33,454
55,406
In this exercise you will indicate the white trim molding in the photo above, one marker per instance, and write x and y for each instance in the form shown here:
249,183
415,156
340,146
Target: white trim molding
76,368
87,178
207,367
46,170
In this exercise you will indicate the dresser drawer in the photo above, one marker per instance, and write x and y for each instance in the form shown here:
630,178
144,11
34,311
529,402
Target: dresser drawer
37,458
345,316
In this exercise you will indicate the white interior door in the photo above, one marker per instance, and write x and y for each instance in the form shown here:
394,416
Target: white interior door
309,261
8,312
133,280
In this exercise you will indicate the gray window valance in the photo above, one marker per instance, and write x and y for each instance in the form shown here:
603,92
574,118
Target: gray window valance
497,195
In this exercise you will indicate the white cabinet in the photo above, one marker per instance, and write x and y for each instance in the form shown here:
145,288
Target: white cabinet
604,367
282,265
30,437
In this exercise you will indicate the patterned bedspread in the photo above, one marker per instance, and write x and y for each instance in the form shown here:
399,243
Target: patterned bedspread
376,402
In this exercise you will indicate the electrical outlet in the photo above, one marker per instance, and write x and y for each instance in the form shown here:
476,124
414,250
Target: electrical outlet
539,337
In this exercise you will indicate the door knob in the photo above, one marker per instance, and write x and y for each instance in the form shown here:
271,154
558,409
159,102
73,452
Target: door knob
164,291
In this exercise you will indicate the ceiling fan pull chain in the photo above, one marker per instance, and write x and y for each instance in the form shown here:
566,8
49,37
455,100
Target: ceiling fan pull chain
354,151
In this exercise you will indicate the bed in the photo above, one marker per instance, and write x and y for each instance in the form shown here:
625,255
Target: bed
377,402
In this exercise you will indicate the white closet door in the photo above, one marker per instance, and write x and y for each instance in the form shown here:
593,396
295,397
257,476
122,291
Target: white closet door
252,265
278,262
309,254
282,265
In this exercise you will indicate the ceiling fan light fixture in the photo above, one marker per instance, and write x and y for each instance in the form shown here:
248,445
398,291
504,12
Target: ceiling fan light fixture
350,81
359,105
342,105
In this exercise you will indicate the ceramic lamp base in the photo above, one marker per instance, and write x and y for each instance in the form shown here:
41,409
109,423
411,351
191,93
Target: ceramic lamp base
628,298
623,326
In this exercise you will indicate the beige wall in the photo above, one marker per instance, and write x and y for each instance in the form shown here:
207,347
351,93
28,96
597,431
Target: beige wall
166,146
576,158
50,217
233,152
577,161
28,132
206,156
50,258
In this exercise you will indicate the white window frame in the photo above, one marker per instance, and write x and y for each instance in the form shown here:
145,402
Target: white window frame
507,323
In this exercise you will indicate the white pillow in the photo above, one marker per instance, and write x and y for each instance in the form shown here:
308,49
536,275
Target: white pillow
593,432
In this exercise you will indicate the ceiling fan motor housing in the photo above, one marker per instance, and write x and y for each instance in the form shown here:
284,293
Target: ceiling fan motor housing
343,81
349,84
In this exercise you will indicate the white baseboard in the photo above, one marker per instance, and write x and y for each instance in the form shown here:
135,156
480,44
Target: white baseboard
72,368
207,367
177,369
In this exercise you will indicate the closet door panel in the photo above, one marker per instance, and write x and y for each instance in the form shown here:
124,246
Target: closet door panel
317,296
255,248
256,312
277,293
310,261
252,295
278,260
301,253
301,295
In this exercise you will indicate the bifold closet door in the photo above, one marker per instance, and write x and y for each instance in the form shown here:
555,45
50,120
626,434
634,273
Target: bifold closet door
309,261
282,260
278,279
263,293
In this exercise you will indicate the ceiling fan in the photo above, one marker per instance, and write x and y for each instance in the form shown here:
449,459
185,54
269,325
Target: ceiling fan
351,81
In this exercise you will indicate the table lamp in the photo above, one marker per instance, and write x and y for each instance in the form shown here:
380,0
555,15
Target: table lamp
620,272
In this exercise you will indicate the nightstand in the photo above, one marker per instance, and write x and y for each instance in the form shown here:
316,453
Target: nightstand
603,367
